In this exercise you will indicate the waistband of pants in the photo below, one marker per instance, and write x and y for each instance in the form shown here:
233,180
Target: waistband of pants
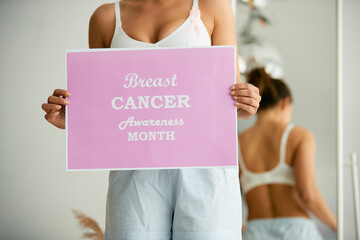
281,220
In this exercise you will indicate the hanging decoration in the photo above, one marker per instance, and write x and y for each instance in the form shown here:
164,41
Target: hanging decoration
255,51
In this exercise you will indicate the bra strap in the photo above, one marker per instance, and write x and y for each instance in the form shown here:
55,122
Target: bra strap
284,141
195,3
117,13
241,162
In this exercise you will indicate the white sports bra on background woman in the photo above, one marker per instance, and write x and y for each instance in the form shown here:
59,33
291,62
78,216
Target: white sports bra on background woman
282,173
190,33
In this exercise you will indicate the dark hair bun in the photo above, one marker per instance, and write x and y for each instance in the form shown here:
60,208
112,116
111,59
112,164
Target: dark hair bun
272,90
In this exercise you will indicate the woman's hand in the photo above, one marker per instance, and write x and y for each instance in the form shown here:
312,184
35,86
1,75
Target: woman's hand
55,108
247,99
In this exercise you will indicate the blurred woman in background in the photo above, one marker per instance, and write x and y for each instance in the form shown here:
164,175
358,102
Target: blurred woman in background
277,169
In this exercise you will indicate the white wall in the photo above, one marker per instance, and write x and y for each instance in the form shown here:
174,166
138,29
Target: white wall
304,32
36,194
351,90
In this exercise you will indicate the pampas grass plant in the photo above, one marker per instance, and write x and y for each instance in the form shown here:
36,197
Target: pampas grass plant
88,223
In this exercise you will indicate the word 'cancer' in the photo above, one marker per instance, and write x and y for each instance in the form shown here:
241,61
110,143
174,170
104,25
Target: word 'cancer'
156,102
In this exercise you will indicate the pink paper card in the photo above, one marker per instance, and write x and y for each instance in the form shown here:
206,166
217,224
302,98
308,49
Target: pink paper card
151,108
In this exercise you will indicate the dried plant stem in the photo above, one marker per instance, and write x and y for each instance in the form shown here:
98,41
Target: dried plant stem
86,222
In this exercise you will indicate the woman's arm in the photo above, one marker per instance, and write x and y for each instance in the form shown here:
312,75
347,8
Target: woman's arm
246,96
102,26
304,171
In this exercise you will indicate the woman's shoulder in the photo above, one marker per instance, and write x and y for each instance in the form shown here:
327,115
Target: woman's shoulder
215,8
298,133
215,11
302,132
246,134
104,11
302,135
102,25
214,4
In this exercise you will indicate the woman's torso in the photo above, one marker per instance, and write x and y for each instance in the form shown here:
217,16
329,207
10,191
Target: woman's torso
189,31
145,23
129,32
260,151
132,30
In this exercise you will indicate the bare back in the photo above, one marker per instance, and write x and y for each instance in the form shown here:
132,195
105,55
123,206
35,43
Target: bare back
260,149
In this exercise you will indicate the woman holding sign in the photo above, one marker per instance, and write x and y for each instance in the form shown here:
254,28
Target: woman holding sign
168,204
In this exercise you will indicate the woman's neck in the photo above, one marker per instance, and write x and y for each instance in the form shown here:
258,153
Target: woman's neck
272,116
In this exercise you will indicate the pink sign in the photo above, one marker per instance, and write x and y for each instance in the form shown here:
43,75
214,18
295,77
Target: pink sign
151,108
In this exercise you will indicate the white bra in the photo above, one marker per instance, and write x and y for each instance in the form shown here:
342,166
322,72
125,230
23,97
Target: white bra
282,173
191,33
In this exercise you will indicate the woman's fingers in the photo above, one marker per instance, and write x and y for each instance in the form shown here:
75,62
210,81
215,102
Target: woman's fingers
51,117
55,101
246,97
54,108
58,100
245,93
250,109
240,86
61,92
248,101
245,90
50,107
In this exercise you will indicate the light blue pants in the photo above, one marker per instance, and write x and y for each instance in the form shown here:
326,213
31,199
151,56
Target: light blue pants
291,228
185,204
